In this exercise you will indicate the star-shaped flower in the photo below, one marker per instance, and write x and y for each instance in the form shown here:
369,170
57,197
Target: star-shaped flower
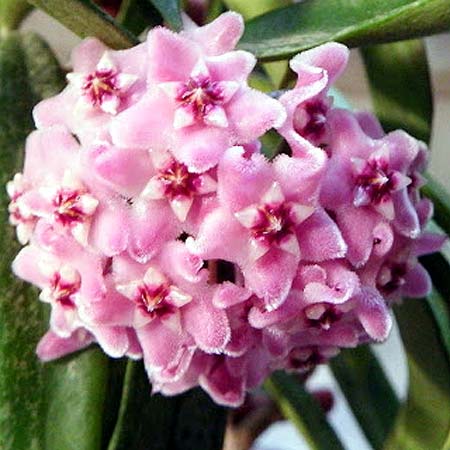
103,88
376,181
272,222
154,297
178,185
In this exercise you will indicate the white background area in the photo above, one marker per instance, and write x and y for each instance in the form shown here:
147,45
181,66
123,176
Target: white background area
282,436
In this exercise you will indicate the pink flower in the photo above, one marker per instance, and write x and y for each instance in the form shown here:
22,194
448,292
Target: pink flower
204,103
307,105
266,227
19,215
103,83
367,186
156,227
104,88
178,185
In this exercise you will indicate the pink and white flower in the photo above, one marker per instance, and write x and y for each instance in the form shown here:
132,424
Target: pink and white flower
157,228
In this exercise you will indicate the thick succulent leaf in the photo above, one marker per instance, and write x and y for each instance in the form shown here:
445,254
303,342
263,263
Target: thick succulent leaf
441,199
152,422
200,423
439,300
85,19
12,12
255,7
171,12
114,386
368,392
424,422
22,317
32,410
303,411
440,307
76,388
395,71
284,32
275,70
138,15
215,8
45,76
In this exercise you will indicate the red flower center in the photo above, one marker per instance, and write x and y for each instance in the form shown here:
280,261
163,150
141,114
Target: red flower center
201,94
273,224
178,181
63,291
68,209
100,85
322,315
151,299
310,119
377,180
397,279
305,361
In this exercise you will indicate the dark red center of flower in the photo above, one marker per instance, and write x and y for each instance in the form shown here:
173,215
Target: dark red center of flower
178,181
304,363
67,207
200,94
63,291
377,180
324,320
16,213
310,119
397,279
151,299
274,223
99,85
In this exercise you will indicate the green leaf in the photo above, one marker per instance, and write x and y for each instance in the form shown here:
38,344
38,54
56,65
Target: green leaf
85,19
441,312
395,71
12,12
303,411
275,70
138,15
171,12
200,423
152,422
215,8
284,32
22,317
34,413
76,389
368,392
424,422
46,78
441,199
255,7
438,267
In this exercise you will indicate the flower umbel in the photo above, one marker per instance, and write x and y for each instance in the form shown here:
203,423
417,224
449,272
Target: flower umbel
155,226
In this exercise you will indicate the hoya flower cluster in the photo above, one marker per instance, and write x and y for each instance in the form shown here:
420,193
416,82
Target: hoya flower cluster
154,225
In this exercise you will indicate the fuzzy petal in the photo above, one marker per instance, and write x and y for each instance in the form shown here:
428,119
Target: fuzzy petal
51,346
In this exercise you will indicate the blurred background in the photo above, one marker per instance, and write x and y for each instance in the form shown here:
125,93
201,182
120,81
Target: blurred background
282,435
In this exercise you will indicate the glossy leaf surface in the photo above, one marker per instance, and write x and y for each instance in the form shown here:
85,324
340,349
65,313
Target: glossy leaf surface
85,19
284,32
189,421
303,411
401,88
368,392
171,12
